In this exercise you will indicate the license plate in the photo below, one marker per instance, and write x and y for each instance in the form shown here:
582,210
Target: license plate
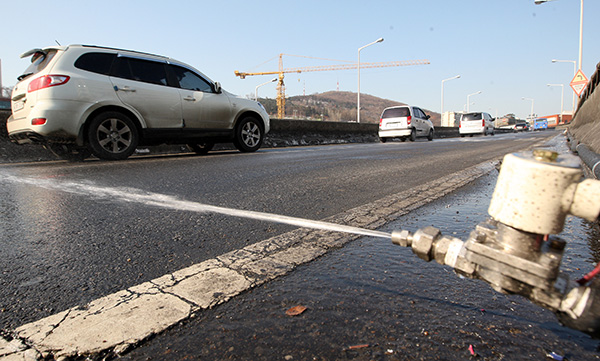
18,106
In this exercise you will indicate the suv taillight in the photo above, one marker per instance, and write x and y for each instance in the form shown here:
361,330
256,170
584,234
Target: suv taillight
47,81
483,122
380,121
408,119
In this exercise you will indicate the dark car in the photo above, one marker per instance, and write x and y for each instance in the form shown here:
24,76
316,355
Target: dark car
521,127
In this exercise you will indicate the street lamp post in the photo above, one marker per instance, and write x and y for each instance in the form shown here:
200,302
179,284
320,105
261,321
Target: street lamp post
358,96
468,96
258,86
442,105
574,73
538,2
562,98
531,115
580,34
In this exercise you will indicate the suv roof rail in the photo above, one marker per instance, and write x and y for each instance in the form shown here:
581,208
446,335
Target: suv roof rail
118,49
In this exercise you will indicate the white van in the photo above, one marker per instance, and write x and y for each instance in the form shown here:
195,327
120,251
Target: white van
476,123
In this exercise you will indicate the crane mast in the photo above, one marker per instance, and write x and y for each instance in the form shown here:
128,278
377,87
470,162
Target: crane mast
282,71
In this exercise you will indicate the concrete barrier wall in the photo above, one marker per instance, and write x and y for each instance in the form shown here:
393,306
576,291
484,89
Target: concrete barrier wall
585,126
584,131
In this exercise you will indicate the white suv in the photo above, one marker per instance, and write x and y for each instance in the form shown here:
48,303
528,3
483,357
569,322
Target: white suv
404,122
81,99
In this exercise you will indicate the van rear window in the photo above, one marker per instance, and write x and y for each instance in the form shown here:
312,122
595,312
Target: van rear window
395,113
472,116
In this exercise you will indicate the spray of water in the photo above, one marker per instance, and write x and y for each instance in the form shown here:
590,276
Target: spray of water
133,195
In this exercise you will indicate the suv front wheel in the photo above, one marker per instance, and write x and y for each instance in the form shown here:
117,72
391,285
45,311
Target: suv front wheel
112,136
248,135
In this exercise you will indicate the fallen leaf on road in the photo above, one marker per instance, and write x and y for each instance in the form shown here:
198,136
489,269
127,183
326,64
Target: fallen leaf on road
295,311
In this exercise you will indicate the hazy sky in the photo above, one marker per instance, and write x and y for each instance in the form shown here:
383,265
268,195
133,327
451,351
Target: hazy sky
502,48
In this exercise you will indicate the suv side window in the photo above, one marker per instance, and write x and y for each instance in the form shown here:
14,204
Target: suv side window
191,81
96,62
140,70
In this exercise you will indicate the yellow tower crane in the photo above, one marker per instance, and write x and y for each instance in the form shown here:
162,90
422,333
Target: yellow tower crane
281,71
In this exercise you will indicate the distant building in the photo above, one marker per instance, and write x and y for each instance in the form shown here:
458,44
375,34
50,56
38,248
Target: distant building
450,119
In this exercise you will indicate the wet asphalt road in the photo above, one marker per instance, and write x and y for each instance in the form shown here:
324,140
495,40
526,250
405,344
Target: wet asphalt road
373,300
62,250
97,248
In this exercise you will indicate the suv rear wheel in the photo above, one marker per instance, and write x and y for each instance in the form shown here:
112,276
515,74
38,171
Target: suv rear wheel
112,136
248,135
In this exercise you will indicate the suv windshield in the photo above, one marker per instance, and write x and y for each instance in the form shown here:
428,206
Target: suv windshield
472,116
39,60
396,112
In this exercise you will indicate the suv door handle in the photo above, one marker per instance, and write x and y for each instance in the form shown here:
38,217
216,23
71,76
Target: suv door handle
124,89
190,98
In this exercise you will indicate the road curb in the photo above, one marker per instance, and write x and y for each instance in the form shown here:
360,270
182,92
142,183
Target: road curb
111,325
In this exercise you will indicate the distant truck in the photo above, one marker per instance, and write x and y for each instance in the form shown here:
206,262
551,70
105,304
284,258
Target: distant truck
512,124
552,121
540,124
558,119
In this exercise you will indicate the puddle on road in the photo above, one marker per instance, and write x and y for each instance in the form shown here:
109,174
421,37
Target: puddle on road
373,300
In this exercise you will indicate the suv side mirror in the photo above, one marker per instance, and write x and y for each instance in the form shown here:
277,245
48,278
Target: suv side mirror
427,116
217,87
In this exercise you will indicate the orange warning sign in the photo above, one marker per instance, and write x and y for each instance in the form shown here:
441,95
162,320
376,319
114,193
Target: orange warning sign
579,82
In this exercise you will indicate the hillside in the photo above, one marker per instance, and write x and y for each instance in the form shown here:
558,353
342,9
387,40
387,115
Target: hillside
336,106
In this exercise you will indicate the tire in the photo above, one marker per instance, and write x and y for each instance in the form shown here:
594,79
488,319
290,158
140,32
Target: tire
413,135
248,135
403,139
201,148
112,136
430,135
383,140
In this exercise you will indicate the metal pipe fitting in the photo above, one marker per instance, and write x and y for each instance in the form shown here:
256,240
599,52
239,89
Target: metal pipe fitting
536,191
512,251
